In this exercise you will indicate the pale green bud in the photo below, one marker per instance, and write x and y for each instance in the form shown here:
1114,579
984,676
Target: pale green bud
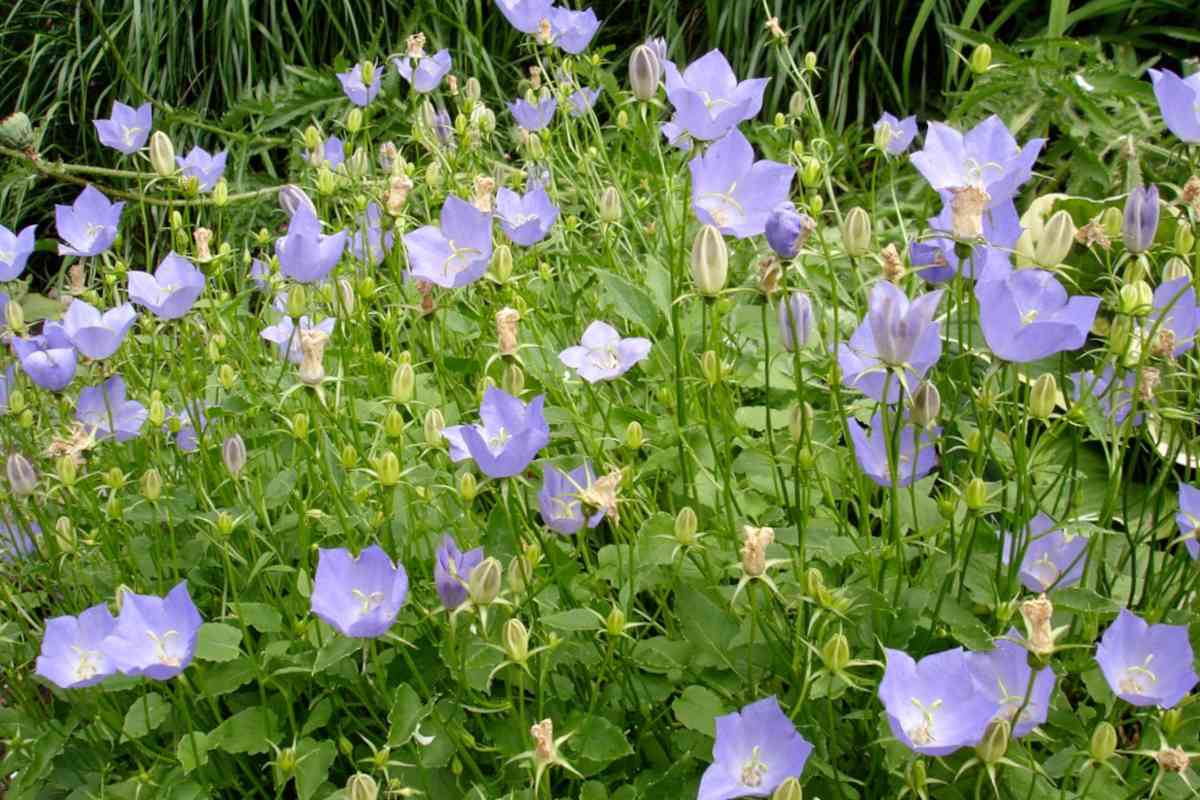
610,205
710,261
387,469
483,586
1043,396
788,790
162,154
433,424
16,317
220,193
1176,268
710,366
354,120
502,263
403,383
1104,742
994,744
835,654
634,436
393,424
151,485
797,103
981,58
810,172
857,236
348,457
68,470
975,494
468,487
516,641
1137,299
810,61
686,525
614,623
297,301
227,375
312,138
1185,240
1055,242
300,425
361,786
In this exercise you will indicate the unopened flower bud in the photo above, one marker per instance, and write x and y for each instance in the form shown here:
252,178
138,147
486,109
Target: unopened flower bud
634,436
151,485
361,786
1055,242
857,237
433,175
501,265
622,119
354,120
233,453
22,479
162,154
1140,220
788,790
810,172
644,73
610,205
1176,268
835,653
348,458
393,424
686,524
981,58
387,469
468,486
433,424
1104,742
975,494
1137,299
220,193
810,61
300,425
710,261
403,383
516,641
800,420
1043,397
157,413
513,380
926,404
614,623
472,89
68,470
994,744
483,586
710,366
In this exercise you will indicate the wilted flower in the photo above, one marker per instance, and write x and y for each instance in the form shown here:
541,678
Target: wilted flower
97,335
795,321
509,437
986,158
206,168
1002,675
892,135
933,706
104,411
72,654
127,129
49,359
708,99
603,355
171,291
359,597
451,570
423,72
571,30
89,225
1173,320
787,230
1178,99
15,250
356,89
506,330
456,253
894,346
370,244
1052,559
1027,316
1146,665
915,456
525,15
559,498
527,219
533,117
287,338
756,749
733,191
1000,227
305,254
582,100
1141,219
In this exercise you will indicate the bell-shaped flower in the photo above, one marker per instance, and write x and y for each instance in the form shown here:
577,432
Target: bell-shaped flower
1027,316
1002,675
359,597
455,253
795,321
1052,559
1146,665
192,421
127,129
286,337
1179,101
560,502
708,99
15,250
986,158
533,117
154,637
933,706
788,229
305,254
525,219
603,355
1141,219
423,72
509,436
1187,519
97,335
89,225
207,168
356,90
582,100
936,258
370,244
49,359
451,571
332,155
894,346
72,654
291,198
525,15
572,31
1173,319
171,291
915,457
104,411
893,136
735,193
755,750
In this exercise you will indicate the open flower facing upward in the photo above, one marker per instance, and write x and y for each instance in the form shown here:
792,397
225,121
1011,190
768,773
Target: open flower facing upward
15,250
525,15
451,571
97,335
49,359
1002,675
986,159
1179,101
915,457
104,411
359,597
708,99
603,355
207,168
735,193
286,337
422,71
525,219
892,135
1172,322
510,435
127,129
1146,665
559,498
154,637
933,706
1188,519
533,117
72,655
1052,559
171,291
89,225
305,254
755,750
1027,316
456,252
357,90
572,31
894,346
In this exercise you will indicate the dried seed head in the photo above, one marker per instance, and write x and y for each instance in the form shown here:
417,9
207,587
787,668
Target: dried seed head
754,549
506,330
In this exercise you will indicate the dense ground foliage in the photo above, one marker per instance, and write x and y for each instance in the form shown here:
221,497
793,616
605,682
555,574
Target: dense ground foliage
595,443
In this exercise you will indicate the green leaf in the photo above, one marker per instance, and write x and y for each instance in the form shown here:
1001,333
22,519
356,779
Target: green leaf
225,678
707,626
1083,599
313,760
279,489
250,731
145,714
334,651
574,619
599,743
317,718
629,301
697,708
218,642
260,616
406,714
192,751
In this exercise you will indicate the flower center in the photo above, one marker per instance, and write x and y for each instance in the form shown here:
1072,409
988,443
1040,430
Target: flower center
605,358
1029,316
86,667
497,443
922,733
459,260
563,508
710,103
164,647
367,602
1139,679
90,233
754,769
129,134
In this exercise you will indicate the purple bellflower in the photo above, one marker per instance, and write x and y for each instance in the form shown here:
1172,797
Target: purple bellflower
795,321
1173,319
127,129
525,219
286,338
894,346
933,706
937,260
207,168
72,654
1027,316
916,456
525,15
452,569
423,72
1141,219
370,244
1002,675
986,157
582,100
895,135
154,637
171,291
733,191
260,275
97,335
187,438
1115,399
708,99
559,498
333,154
572,31
103,411
1146,665
1052,559
603,355
787,229
1188,518
510,435
359,597
49,359
7,378
755,750
1179,101
15,250
292,198
355,89
305,254
89,225
533,117
455,253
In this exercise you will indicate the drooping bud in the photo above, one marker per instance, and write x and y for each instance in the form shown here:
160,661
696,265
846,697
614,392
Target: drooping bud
1055,242
1104,742
644,73
926,404
233,453
994,744
483,586
506,330
857,237
686,525
162,154
610,205
22,478
981,58
710,261
312,360
1140,221
403,382
1043,397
